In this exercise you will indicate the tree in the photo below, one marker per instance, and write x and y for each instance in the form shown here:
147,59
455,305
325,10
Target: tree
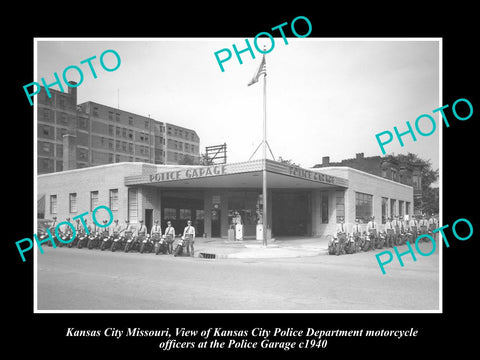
288,162
187,160
429,202
205,160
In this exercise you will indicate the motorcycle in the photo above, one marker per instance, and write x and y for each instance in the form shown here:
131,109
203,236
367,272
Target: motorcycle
367,242
337,244
382,236
182,247
161,246
132,243
95,241
119,242
65,238
82,240
107,241
350,245
147,245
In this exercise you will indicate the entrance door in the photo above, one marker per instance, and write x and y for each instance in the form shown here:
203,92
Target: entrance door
148,218
216,215
290,213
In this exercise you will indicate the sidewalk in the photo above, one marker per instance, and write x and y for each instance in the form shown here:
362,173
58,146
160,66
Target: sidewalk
219,248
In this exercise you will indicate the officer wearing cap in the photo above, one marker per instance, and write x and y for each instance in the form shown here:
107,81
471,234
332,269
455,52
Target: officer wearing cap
432,225
116,229
169,236
390,232
372,229
397,228
156,230
413,224
142,230
189,237
52,231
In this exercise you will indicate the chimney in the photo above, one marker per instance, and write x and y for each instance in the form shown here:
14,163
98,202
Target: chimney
325,160
73,92
359,156
69,151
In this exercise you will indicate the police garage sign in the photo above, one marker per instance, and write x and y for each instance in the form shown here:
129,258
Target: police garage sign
188,173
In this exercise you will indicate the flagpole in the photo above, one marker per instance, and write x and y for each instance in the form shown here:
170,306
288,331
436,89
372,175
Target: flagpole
264,190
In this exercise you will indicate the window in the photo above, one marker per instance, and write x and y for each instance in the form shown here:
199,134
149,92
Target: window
185,214
113,199
199,214
117,158
384,210
117,117
62,102
394,174
393,207
53,204
124,132
133,205
46,130
400,208
93,200
324,208
363,207
340,205
130,120
72,201
110,130
110,115
407,208
46,114
146,124
95,111
169,214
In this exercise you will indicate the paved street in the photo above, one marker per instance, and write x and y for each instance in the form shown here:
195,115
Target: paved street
82,279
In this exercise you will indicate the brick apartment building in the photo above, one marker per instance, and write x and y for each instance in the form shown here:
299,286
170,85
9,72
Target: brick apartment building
72,136
387,167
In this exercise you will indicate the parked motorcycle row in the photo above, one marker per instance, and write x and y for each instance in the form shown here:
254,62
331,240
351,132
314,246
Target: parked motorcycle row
344,243
127,242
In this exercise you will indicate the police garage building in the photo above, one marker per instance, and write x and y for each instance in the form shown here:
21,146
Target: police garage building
300,202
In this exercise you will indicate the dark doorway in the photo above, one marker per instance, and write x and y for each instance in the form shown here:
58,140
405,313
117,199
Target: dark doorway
181,206
216,228
148,219
290,213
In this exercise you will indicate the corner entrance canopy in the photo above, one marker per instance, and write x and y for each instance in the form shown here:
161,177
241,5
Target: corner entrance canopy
238,175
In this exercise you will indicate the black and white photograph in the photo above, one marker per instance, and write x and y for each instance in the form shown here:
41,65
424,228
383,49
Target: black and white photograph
178,157
213,183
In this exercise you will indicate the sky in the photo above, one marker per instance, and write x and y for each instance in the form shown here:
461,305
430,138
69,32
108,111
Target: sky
324,97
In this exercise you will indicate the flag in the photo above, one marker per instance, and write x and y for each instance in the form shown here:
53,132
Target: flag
262,69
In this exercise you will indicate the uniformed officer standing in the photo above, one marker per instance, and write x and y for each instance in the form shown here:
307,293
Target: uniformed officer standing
341,234
372,229
142,230
390,232
432,225
397,229
169,236
413,224
156,231
423,226
189,236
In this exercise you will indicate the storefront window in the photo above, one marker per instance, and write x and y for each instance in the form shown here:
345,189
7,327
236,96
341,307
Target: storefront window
363,207
340,205
133,205
169,214
185,214
384,209
393,207
324,208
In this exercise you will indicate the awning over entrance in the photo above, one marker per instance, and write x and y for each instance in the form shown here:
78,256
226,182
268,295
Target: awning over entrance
238,175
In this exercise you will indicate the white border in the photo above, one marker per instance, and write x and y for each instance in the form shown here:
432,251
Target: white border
440,310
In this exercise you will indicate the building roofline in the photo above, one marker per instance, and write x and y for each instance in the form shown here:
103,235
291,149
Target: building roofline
363,173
